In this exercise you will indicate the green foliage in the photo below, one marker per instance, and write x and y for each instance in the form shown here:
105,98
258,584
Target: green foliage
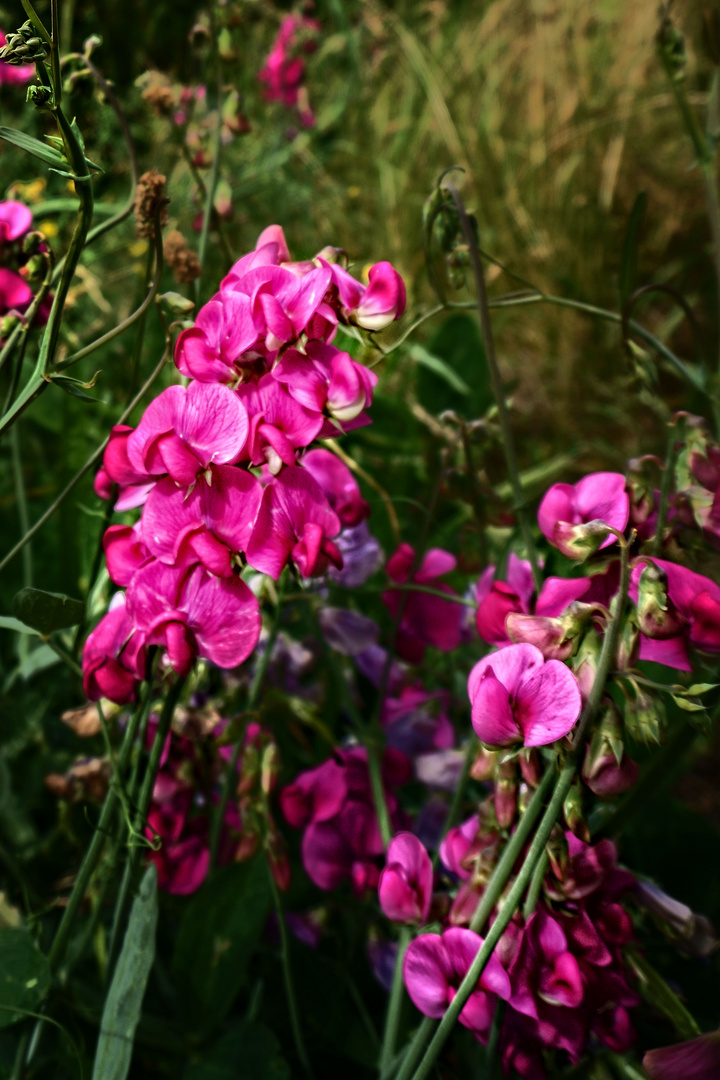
247,1051
24,975
45,611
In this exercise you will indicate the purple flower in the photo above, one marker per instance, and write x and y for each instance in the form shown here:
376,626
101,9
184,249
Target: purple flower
696,1059
405,888
339,486
690,616
436,964
518,697
361,555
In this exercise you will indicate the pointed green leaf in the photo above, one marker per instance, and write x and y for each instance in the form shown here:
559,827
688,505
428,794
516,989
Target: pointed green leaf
46,611
701,688
658,994
24,974
439,367
123,1004
7,622
628,265
687,704
33,146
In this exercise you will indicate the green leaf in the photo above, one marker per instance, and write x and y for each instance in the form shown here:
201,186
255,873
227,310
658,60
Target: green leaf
123,1004
458,345
8,623
46,611
658,994
434,363
701,688
687,704
38,660
24,974
628,265
247,1052
33,146
220,929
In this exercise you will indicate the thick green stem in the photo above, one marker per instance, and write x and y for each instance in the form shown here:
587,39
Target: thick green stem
508,440
230,779
537,847
392,1021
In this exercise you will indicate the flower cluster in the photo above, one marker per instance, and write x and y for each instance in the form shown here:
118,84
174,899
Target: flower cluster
283,72
218,466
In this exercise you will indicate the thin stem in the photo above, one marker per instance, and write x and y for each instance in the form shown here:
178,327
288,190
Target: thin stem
411,587
215,169
537,847
497,385
55,53
675,439
287,978
230,779
21,502
533,893
392,1021
86,467
416,1047
146,792
511,852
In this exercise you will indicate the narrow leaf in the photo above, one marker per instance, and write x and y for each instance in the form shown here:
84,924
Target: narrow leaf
123,1004
701,688
33,146
7,622
658,994
687,704
628,265
439,367
46,611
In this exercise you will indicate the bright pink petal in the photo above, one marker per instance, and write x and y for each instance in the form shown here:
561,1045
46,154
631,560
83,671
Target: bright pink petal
427,971
548,704
556,505
224,616
213,423
509,666
14,291
492,715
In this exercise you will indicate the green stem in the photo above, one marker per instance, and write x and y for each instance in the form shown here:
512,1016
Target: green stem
288,980
392,1021
503,870
230,779
95,456
675,439
497,385
146,791
537,847
533,893
412,1052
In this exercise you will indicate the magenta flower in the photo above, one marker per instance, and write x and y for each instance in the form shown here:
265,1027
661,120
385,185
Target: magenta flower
383,300
405,888
215,348
14,74
192,615
456,845
125,553
210,525
543,968
692,616
518,697
283,71
696,1059
496,599
279,425
134,484
183,431
326,380
436,964
113,658
426,619
567,508
338,484
316,795
15,221
283,302
294,521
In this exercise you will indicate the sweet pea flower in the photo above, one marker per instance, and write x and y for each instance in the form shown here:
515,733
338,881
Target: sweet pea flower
125,553
544,968
282,303
518,697
183,431
361,555
338,484
209,525
135,484
696,1059
279,424
405,887
194,614
326,380
690,617
496,599
114,658
567,511
456,845
15,221
294,521
383,300
436,964
218,345
317,794
426,619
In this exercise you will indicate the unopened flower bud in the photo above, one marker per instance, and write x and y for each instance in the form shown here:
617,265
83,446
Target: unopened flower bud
384,299
332,255
7,325
530,766
628,643
608,771
573,812
556,637
657,615
581,541
24,46
176,304
249,770
269,768
483,767
693,934
506,794
645,718
586,661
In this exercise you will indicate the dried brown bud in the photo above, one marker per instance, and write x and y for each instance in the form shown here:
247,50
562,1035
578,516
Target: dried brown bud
158,93
149,195
88,778
181,259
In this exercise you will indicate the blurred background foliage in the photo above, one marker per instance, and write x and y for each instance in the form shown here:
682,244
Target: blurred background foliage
561,115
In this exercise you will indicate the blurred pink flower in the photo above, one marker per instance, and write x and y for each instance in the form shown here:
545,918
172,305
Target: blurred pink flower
405,887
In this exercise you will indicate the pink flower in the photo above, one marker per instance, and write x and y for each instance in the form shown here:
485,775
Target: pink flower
294,521
426,619
14,74
183,431
125,553
405,888
457,844
496,599
283,72
316,795
194,615
282,302
338,485
383,300
691,616
15,217
566,509
279,424
517,697
436,964
326,380
113,658
209,525
543,968
15,221
215,348
696,1059
135,484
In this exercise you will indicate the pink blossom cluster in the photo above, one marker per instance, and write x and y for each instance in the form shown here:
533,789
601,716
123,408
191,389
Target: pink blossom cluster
15,223
220,466
283,72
